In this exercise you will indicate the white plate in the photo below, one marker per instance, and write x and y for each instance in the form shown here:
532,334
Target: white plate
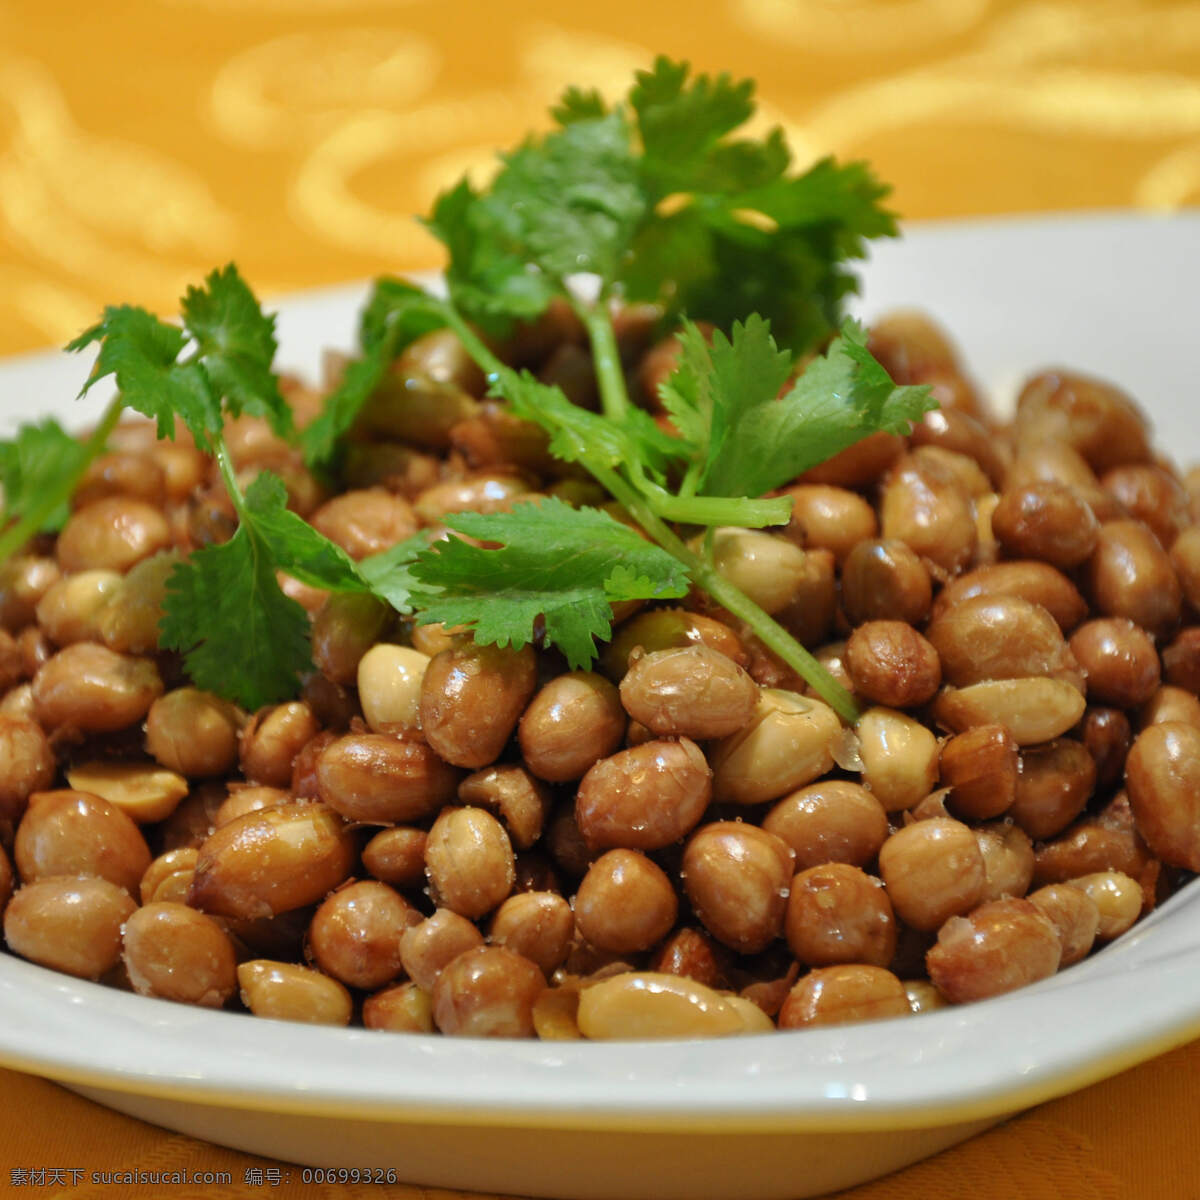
782,1115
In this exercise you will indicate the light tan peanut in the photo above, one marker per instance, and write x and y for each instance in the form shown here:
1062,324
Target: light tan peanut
837,913
365,521
690,691
1007,860
649,1004
768,568
404,1008
487,992
1119,659
537,925
176,953
1119,900
933,870
1033,710
287,992
829,518
1170,704
625,903
891,664
471,699
469,862
68,923
981,767
573,722
94,690
425,949
355,933
924,505
76,833
24,580
28,764
193,733
128,622
70,610
1097,419
690,953
113,533
664,628
788,743
140,790
831,821
923,996
521,801
644,798
1002,945
1074,915
1034,582
1046,521
1150,495
1130,575
1053,788
272,861
736,876
377,778
1000,637
885,580
169,876
555,1014
899,758
1162,775
397,856
273,738
344,629
389,686
842,994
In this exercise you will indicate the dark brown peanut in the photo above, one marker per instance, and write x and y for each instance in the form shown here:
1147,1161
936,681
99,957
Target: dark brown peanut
90,688
837,913
1181,659
344,629
426,948
625,903
487,992
537,925
69,924
1130,575
644,798
1151,496
831,821
691,691
573,722
272,861
736,877
1162,775
176,953
377,778
1002,945
76,833
842,994
28,765
691,954
355,934
1027,580
933,870
272,740
1074,915
1053,788
885,580
829,518
1046,521
664,628
1119,659
469,862
471,699
1107,735
981,767
890,663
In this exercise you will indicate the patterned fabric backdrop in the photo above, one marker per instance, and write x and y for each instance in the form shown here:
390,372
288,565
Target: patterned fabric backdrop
144,141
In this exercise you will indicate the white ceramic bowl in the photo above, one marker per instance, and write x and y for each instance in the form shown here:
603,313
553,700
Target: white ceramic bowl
783,1115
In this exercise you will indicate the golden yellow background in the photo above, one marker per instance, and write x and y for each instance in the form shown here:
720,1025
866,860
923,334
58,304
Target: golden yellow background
144,141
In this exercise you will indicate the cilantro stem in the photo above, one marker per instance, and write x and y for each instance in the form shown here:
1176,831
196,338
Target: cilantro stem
16,535
229,475
605,357
732,598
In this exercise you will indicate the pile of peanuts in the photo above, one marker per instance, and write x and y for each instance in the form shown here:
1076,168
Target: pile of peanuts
439,836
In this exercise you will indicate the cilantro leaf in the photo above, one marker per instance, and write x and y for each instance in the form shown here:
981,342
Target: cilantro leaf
32,465
768,440
579,105
237,342
561,564
141,351
389,574
396,314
